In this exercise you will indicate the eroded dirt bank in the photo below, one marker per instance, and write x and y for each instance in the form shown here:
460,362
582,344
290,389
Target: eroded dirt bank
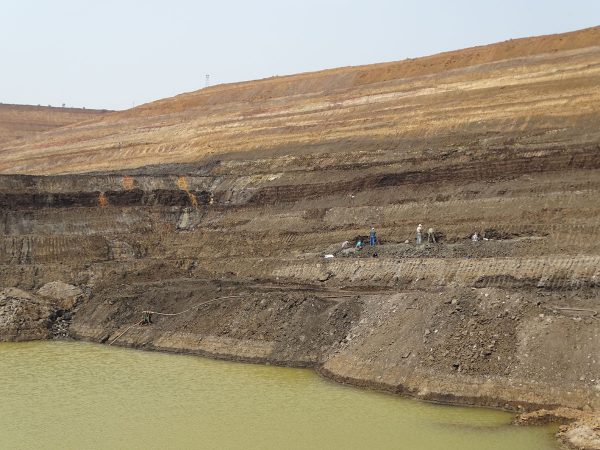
505,348
484,346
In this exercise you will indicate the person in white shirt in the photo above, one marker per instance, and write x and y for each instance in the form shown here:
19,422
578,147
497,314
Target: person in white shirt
419,234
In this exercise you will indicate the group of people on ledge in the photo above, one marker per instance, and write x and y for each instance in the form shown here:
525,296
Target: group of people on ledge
419,238
372,240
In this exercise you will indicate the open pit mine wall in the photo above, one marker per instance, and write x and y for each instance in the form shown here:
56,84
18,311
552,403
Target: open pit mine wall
508,322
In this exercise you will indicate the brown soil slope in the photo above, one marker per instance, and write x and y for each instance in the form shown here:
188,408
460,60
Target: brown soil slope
234,194
529,92
24,121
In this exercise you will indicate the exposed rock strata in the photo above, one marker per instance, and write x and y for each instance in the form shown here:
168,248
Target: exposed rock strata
235,194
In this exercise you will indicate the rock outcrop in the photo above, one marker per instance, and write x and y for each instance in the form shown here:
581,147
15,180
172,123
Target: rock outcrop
23,316
64,296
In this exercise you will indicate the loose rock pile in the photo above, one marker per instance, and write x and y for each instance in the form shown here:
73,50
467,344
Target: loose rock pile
23,316
47,314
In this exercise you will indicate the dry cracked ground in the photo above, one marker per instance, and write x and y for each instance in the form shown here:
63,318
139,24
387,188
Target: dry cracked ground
222,203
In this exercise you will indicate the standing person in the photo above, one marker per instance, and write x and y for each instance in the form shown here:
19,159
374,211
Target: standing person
431,235
475,237
372,237
419,234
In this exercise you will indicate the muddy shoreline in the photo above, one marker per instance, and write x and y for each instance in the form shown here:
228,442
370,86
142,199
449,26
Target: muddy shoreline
577,427
416,341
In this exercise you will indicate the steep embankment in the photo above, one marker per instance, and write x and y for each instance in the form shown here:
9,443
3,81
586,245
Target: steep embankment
233,194
25,121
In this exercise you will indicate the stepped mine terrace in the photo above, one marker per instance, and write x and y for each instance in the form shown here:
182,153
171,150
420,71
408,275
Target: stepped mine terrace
218,207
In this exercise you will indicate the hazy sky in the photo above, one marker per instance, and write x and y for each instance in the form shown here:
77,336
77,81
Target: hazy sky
113,53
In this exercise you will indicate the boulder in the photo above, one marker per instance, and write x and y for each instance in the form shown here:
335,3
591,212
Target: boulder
24,316
64,295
